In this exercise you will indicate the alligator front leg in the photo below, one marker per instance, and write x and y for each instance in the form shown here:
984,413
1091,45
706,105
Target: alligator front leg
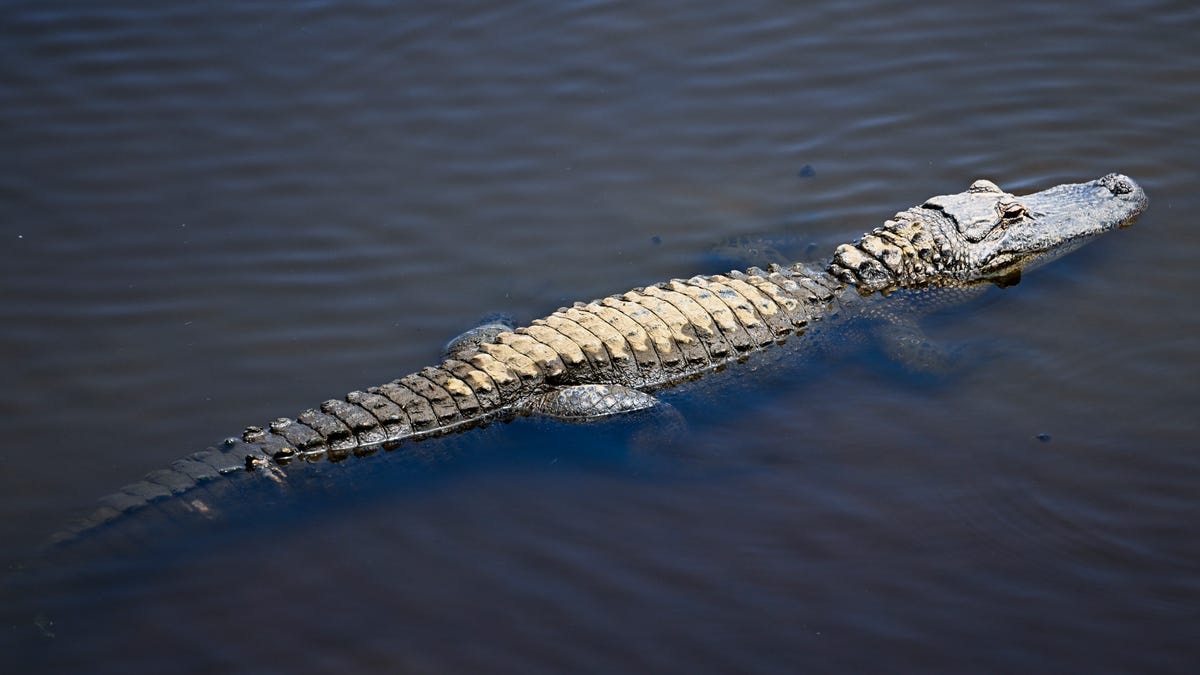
906,345
900,336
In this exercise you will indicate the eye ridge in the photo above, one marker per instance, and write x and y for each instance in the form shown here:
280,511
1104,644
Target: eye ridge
1011,210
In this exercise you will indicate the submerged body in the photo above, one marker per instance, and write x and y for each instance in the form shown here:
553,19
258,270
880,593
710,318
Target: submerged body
607,356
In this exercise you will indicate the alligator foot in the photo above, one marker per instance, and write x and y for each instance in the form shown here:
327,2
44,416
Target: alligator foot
466,344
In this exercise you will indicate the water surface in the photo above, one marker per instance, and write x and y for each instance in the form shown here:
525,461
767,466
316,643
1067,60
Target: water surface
214,215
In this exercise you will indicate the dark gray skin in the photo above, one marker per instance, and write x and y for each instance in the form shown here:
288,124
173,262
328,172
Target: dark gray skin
607,357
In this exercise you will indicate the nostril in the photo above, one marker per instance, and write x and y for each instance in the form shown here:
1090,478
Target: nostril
1117,184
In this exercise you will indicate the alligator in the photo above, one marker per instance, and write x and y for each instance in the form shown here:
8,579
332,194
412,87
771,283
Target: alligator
609,356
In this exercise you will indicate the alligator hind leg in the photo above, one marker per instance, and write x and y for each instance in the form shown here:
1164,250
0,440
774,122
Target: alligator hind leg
657,426
466,344
585,402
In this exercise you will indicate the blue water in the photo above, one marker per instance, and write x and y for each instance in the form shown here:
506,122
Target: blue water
212,215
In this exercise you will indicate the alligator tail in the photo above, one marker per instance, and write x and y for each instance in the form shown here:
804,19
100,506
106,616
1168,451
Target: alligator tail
641,340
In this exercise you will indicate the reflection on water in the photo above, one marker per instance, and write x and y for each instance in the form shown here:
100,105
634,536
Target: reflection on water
213,216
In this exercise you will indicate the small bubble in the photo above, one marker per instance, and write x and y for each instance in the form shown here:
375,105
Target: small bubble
807,171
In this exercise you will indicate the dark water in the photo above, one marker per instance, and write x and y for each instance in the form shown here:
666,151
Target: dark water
215,214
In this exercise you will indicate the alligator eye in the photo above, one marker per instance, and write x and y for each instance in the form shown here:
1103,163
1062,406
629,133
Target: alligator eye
1011,211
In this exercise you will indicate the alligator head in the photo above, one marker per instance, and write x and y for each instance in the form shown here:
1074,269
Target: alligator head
985,234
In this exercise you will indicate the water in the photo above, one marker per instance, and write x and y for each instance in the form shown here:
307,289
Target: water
211,216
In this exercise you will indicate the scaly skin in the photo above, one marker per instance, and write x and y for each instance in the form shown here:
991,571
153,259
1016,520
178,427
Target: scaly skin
605,356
